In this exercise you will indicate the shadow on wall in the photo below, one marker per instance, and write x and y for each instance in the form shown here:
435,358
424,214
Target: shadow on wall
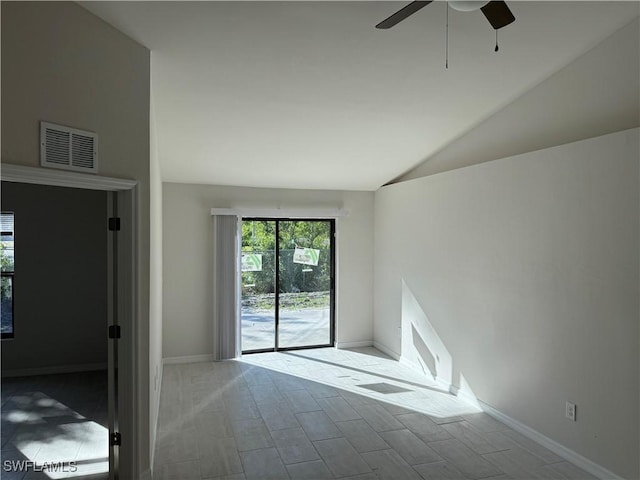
421,346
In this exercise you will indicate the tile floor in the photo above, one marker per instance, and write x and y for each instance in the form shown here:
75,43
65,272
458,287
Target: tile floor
328,413
53,418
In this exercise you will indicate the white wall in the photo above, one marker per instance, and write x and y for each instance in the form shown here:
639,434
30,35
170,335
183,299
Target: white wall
155,287
187,259
596,94
525,271
62,64
60,284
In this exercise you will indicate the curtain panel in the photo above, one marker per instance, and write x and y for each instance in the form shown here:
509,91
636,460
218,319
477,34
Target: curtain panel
225,287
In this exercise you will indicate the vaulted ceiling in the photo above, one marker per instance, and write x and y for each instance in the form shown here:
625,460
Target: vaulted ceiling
311,95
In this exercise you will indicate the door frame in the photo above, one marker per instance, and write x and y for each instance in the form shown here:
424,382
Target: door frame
127,295
332,286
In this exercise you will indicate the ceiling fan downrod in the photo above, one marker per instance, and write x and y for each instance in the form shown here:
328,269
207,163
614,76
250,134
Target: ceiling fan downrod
446,59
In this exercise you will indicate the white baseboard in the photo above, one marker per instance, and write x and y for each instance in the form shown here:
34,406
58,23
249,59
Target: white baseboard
440,383
386,350
409,364
455,390
466,397
54,370
566,453
366,343
560,450
207,357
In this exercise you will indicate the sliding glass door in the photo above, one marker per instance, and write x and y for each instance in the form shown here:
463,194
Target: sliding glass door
258,310
305,279
287,284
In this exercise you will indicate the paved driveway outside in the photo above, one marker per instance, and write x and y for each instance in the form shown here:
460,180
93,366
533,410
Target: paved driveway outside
297,328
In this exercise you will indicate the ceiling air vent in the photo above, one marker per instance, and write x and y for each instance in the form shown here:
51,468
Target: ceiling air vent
68,148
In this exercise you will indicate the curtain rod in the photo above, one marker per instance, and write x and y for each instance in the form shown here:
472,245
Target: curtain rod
282,212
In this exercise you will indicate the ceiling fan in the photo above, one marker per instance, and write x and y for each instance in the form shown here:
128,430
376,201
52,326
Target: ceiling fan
497,12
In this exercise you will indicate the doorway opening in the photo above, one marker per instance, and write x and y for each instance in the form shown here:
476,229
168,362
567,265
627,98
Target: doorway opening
55,375
287,284
122,313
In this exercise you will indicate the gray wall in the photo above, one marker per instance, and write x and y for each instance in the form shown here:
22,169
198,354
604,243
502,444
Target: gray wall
60,297
188,243
64,65
519,278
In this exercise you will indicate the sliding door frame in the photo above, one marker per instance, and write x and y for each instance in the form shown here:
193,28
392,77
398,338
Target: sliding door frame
332,287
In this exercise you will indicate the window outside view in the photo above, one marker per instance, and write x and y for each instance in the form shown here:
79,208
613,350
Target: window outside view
304,277
7,271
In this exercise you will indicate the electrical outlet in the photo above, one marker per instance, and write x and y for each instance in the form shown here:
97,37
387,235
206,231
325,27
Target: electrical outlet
571,411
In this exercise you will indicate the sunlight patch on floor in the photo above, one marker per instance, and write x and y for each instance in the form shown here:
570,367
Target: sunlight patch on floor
356,370
55,439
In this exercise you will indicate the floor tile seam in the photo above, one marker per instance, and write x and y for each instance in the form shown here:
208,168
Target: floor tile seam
56,459
544,462
441,441
539,454
359,454
470,444
438,460
501,450
302,461
456,421
33,456
492,476
388,447
441,458
502,428
403,427
562,460
202,452
343,420
496,465
342,435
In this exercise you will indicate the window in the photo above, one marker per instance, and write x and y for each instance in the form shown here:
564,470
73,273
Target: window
8,263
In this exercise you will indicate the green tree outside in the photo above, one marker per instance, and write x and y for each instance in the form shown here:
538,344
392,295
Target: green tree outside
258,236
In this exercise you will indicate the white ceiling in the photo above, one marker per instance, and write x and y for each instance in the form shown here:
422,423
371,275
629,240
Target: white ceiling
311,95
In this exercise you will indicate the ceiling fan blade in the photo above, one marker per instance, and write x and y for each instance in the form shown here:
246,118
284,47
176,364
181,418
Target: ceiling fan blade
498,14
401,14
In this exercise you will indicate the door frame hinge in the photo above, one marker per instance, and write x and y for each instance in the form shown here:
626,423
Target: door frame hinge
114,224
115,439
114,331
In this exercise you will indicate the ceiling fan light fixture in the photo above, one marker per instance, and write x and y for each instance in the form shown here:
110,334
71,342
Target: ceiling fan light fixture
496,12
467,5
